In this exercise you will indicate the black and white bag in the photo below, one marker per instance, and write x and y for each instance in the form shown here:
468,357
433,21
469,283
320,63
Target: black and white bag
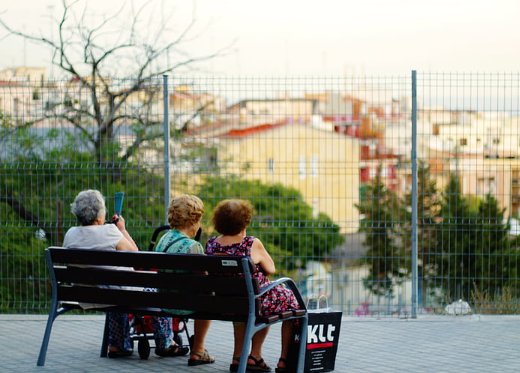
322,337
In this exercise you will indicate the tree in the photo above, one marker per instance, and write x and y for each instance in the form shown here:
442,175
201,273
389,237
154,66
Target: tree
384,218
474,251
283,221
35,212
428,209
455,242
95,53
112,65
494,268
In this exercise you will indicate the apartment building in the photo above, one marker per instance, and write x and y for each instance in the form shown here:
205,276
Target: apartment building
483,149
322,165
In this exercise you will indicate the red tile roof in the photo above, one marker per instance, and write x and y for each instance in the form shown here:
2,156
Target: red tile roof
244,132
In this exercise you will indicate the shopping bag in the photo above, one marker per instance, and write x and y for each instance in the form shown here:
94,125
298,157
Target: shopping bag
322,340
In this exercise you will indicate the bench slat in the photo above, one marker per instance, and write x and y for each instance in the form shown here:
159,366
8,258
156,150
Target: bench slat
299,313
154,260
285,314
224,285
126,298
267,319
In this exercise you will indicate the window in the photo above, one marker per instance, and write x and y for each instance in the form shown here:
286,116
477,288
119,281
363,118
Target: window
315,210
463,142
270,166
16,107
364,173
372,150
302,169
486,185
314,165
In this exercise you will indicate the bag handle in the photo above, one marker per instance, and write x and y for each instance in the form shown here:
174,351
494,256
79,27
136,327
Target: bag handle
318,301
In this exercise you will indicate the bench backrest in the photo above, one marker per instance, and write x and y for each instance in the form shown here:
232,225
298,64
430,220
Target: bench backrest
205,284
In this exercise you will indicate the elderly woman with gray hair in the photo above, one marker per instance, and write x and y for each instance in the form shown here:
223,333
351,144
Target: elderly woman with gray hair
92,233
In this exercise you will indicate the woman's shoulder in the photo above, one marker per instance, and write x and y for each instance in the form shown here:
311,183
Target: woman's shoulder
163,240
249,240
71,230
175,241
95,229
196,248
168,233
111,230
211,245
107,227
173,234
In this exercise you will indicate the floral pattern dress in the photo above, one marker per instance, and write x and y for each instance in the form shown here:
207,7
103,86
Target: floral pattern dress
278,299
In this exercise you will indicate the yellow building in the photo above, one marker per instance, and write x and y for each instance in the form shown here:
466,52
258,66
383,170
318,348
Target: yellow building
322,165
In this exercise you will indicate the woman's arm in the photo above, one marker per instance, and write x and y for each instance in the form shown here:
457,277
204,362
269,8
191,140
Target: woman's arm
260,256
126,243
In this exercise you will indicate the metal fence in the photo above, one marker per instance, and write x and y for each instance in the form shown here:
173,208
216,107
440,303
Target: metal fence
390,195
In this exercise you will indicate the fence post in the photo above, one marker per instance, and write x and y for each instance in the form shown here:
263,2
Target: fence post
414,195
166,148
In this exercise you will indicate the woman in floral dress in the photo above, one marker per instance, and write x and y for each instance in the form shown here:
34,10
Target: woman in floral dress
231,219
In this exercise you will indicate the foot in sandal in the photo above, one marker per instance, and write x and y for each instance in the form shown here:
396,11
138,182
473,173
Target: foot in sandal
173,350
202,358
233,367
258,365
282,366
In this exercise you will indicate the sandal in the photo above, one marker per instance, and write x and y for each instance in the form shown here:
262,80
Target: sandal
258,366
174,350
204,358
234,367
284,369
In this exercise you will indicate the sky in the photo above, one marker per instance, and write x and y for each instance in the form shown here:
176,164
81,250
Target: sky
314,38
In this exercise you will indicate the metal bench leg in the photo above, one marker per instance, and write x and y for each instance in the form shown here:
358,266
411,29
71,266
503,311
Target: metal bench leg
304,321
246,347
104,344
46,337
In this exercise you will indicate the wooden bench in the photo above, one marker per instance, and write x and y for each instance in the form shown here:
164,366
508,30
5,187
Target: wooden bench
217,295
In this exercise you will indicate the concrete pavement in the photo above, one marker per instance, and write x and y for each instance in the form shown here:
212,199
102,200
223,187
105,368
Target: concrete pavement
436,344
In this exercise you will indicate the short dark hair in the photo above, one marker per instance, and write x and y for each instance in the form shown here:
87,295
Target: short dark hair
232,216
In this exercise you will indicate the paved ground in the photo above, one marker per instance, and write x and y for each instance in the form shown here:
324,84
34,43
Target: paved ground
451,344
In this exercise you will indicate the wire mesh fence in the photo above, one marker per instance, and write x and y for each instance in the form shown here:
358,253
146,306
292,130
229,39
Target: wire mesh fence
389,195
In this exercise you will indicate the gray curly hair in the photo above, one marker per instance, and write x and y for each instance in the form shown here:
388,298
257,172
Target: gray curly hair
88,206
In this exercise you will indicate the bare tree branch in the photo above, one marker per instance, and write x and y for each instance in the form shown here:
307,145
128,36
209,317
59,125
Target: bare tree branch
19,208
195,115
93,54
